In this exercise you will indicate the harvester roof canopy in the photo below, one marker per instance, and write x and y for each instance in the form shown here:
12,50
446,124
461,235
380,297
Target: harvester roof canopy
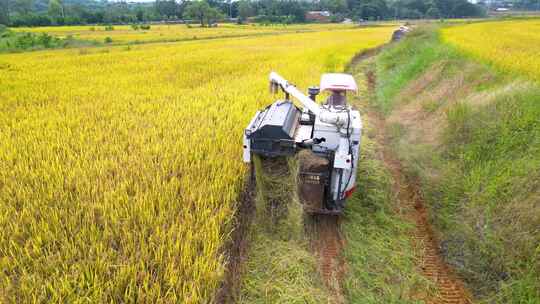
338,82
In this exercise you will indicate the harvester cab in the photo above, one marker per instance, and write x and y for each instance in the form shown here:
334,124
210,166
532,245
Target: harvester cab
325,137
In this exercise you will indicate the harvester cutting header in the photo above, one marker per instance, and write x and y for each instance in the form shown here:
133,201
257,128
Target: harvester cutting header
326,137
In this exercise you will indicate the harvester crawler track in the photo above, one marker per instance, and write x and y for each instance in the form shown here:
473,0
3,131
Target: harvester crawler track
450,289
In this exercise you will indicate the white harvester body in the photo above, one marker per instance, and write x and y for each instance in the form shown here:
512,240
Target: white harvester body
332,132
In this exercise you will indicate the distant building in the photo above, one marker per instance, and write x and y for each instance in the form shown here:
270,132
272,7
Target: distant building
318,16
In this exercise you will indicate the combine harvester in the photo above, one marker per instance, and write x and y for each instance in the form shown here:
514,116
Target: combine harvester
325,137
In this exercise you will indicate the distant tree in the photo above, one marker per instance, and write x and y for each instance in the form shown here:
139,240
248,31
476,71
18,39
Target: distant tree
167,8
420,6
528,4
140,15
22,6
335,6
294,11
464,8
433,12
202,12
93,16
446,7
30,20
369,9
244,10
56,9
4,12
213,16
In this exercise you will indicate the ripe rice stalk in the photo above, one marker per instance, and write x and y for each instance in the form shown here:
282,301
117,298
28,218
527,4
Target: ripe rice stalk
512,46
120,170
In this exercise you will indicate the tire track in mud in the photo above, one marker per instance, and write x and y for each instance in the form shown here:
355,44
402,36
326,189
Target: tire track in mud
450,289
327,243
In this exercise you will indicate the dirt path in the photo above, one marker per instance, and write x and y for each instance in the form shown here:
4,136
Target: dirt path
450,290
327,243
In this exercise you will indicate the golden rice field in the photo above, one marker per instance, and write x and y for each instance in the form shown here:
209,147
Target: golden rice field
120,167
175,32
511,45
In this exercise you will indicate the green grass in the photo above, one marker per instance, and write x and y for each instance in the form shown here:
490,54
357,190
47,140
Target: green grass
497,149
481,175
11,41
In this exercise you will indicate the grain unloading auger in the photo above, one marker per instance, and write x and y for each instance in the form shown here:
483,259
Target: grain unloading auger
326,136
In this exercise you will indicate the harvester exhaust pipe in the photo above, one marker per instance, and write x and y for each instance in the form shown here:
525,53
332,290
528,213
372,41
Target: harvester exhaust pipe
313,92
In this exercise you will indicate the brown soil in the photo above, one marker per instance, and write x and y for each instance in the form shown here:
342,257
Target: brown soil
237,247
449,288
327,242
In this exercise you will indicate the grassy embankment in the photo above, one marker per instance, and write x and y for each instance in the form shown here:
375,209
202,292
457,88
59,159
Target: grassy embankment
469,134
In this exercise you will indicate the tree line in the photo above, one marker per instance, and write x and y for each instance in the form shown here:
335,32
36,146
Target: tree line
71,12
